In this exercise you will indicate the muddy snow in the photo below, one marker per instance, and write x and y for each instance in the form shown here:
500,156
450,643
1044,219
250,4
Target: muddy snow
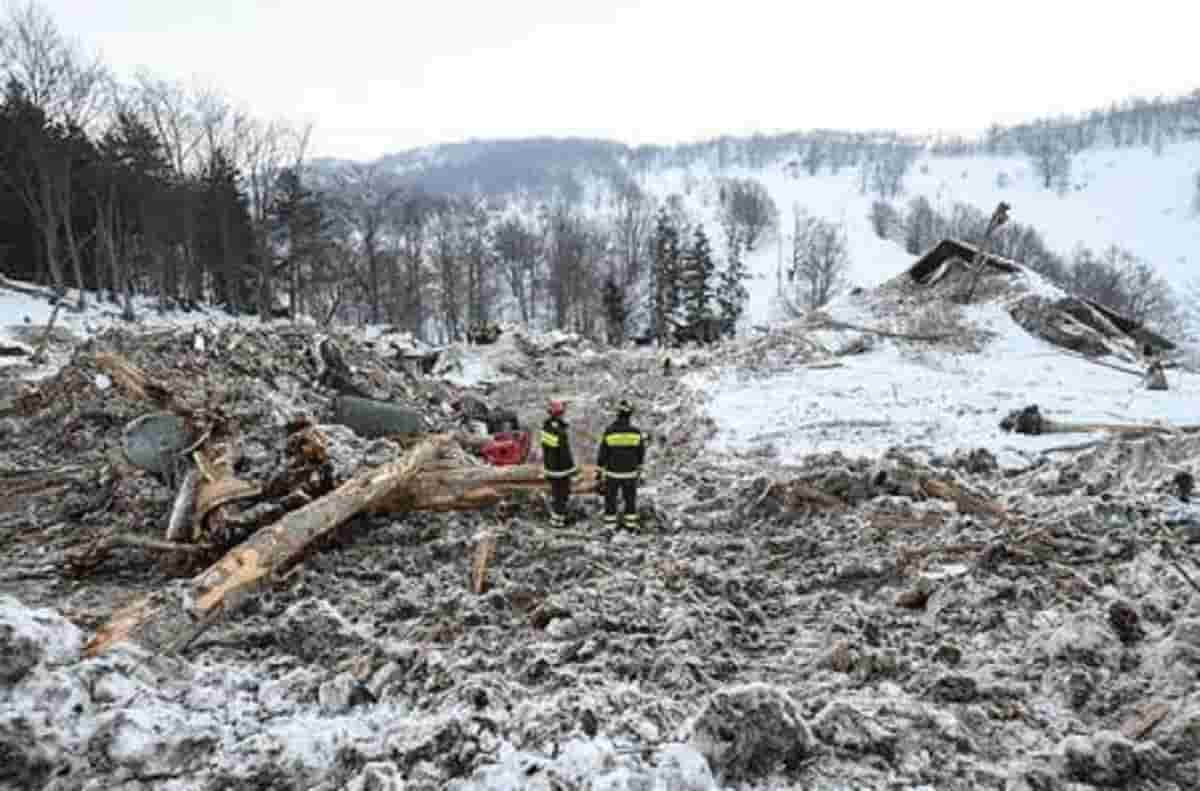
848,575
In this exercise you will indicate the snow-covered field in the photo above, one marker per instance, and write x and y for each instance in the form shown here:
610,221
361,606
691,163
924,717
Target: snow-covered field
935,401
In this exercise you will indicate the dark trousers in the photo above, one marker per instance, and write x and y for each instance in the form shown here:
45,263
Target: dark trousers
624,489
560,490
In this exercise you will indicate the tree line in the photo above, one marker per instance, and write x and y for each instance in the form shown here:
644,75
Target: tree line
155,189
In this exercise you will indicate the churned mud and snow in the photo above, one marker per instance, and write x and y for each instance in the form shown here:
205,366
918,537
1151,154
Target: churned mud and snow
850,577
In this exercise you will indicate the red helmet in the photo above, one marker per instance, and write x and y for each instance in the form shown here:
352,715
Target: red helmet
556,408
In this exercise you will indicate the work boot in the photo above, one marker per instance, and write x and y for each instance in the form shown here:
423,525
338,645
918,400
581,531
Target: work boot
632,522
610,521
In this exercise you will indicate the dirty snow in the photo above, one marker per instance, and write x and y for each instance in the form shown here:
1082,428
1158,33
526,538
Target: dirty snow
23,320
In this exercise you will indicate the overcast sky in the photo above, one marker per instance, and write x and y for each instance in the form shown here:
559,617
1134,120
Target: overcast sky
378,77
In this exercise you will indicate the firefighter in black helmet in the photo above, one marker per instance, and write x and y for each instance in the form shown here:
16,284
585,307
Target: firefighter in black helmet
622,452
558,464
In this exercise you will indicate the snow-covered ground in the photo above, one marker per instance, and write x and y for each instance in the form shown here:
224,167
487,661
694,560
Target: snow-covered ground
23,320
935,400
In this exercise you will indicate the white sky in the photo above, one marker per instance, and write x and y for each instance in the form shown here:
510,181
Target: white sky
378,77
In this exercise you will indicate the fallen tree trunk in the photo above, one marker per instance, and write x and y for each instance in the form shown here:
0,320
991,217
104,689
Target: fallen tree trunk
1031,422
160,620
463,489
39,354
30,291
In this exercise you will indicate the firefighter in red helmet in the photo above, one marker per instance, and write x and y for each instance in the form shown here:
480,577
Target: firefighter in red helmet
558,464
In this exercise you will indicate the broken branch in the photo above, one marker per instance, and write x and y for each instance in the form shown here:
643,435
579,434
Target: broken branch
843,325
160,620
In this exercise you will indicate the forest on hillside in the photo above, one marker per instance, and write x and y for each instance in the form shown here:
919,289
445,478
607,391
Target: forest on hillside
149,187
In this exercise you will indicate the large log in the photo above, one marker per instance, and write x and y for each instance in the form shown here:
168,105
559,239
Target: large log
163,620
470,488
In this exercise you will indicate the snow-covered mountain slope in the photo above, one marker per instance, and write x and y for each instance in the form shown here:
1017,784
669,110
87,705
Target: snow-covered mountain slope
1128,197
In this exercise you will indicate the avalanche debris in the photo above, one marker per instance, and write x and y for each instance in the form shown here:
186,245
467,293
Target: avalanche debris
915,618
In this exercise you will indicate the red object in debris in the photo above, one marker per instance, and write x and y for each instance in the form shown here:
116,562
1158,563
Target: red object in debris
507,448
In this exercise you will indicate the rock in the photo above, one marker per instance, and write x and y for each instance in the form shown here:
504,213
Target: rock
1124,620
916,597
29,637
746,732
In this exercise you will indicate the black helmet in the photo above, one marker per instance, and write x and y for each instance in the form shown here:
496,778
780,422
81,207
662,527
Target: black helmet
624,407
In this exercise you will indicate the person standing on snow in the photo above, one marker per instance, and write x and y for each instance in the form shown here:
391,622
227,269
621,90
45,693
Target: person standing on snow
622,453
558,464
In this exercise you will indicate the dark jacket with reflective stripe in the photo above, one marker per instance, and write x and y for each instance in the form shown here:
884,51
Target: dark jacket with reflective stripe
622,450
557,460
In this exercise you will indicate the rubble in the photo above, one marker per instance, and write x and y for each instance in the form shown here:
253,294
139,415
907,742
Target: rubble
750,732
912,619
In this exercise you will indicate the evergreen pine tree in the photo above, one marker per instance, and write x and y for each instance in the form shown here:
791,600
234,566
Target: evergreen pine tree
299,225
697,279
615,312
664,292
731,288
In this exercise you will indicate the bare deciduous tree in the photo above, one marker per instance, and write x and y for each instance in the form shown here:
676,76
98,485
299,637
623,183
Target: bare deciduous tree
366,195
519,252
57,75
58,89
820,261
885,219
1050,155
747,206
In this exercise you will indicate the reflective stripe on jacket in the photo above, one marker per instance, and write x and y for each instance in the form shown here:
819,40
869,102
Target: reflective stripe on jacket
622,450
557,460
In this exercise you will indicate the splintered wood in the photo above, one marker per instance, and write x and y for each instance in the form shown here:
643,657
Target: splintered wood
136,384
1144,720
484,551
216,486
967,503
162,620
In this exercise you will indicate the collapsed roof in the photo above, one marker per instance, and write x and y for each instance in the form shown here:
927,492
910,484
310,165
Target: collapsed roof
1074,322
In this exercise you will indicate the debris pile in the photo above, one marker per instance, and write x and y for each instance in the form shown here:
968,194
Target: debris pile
902,621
